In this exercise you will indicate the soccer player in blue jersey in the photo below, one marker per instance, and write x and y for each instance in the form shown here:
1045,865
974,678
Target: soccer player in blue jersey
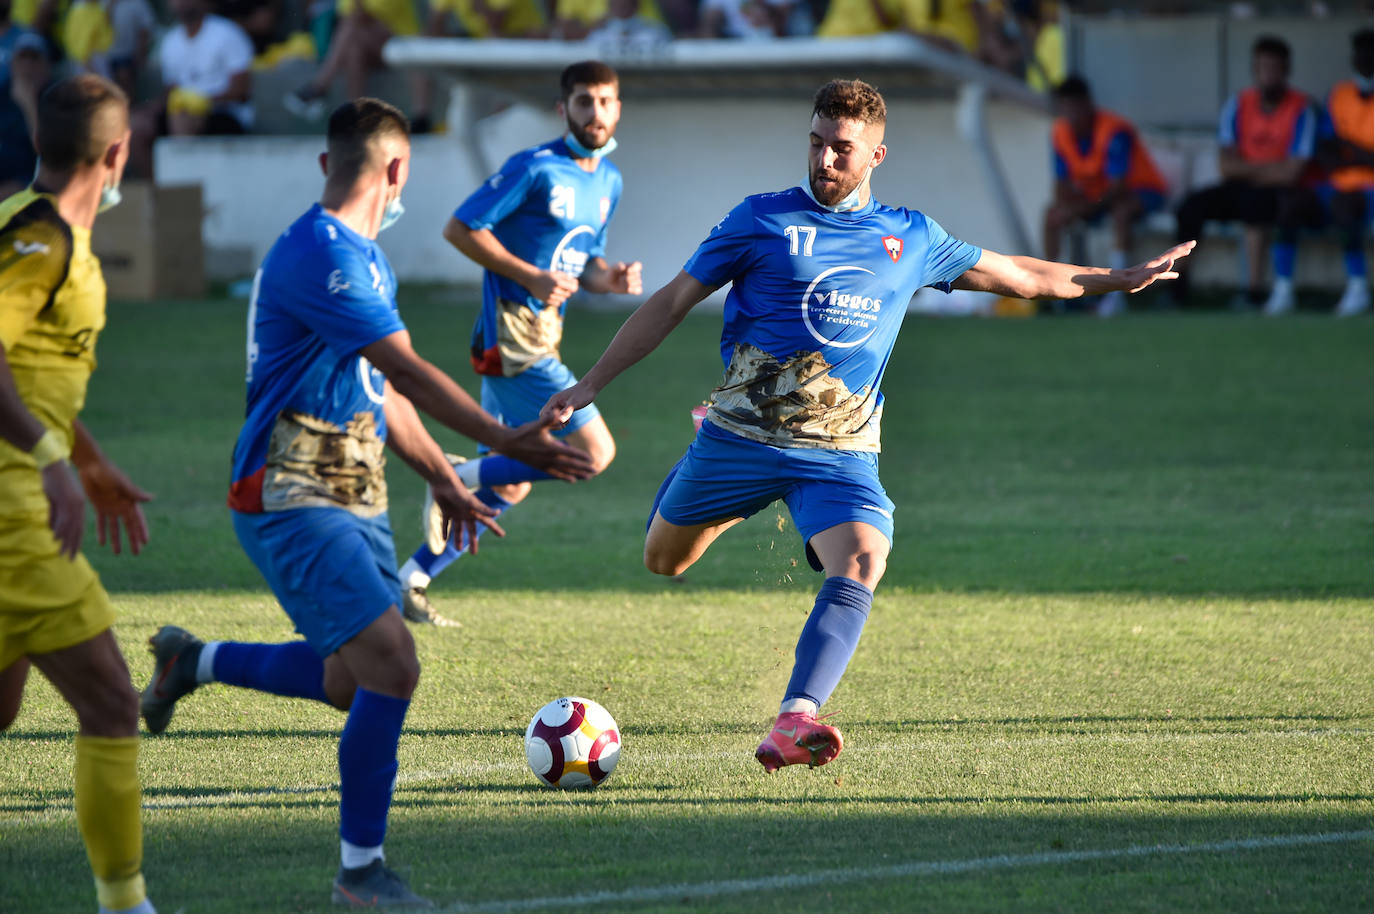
332,379
821,276
538,229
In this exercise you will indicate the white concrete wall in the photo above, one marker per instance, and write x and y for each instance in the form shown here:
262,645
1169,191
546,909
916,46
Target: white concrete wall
686,163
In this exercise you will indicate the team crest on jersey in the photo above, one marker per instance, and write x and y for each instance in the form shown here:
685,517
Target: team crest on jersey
893,245
605,208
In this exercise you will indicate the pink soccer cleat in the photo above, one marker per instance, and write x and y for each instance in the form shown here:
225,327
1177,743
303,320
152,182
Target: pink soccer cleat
797,739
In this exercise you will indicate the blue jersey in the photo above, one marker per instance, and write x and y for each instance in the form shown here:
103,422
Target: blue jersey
315,427
548,211
813,312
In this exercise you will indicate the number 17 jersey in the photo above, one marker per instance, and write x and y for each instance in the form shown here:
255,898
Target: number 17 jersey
816,301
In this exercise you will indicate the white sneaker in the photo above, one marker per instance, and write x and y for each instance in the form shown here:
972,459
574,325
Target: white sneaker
1281,299
1111,304
1355,300
433,518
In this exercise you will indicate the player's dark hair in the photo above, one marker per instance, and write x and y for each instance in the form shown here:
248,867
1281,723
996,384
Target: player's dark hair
850,100
588,73
353,127
1272,46
78,118
1074,88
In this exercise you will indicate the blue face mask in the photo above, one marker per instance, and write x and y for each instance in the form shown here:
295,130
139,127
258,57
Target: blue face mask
582,152
394,210
110,197
1365,84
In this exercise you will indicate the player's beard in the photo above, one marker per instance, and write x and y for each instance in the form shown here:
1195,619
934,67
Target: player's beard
831,194
582,137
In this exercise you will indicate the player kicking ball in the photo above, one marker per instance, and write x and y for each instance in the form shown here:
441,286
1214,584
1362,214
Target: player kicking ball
821,276
332,379
538,229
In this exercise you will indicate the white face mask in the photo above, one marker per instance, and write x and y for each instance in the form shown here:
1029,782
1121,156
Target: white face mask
110,197
394,210
583,152
851,200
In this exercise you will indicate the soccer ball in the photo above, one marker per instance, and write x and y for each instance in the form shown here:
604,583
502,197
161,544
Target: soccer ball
572,742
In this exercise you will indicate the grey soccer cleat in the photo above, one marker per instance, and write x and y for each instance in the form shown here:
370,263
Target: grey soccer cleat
375,886
416,607
175,654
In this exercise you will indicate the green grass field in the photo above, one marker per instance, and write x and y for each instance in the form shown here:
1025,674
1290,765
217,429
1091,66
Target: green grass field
1123,659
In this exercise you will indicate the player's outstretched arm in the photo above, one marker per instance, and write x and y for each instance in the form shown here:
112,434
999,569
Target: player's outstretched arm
1030,277
640,335
411,441
113,495
436,394
482,247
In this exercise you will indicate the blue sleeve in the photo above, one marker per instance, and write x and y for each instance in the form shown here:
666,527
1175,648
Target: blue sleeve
726,251
1061,168
1304,143
339,298
947,258
499,196
1226,127
1119,155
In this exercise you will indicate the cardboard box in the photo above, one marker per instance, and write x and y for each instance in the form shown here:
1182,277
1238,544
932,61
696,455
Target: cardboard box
150,244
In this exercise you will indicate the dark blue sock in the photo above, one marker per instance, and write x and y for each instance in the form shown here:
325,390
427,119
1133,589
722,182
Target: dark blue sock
292,669
432,564
500,470
1354,262
367,765
1285,259
828,639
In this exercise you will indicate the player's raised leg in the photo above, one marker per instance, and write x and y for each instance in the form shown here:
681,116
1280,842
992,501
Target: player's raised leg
670,549
854,556
94,680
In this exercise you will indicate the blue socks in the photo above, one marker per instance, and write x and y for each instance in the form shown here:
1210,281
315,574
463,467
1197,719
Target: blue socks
1354,262
292,669
500,470
1285,259
829,638
432,564
367,766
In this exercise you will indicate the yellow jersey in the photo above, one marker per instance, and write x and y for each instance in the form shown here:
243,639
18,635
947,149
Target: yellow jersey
52,308
520,18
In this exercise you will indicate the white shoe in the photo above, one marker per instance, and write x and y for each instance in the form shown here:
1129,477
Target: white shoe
1355,300
1111,304
1281,299
432,518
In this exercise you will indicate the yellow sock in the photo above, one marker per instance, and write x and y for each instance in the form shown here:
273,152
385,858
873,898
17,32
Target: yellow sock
108,817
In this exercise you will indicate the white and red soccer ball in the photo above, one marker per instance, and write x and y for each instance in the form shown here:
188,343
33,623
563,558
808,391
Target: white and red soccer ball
572,742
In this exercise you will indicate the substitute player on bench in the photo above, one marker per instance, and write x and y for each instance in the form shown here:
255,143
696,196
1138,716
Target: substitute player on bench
821,276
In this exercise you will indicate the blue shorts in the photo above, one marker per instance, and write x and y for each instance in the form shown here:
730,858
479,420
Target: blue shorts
517,400
333,572
723,475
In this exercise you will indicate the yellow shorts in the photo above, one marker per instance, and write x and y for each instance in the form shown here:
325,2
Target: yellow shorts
47,601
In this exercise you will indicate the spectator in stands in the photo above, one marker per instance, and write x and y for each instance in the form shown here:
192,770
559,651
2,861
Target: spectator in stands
133,25
475,19
1101,169
23,73
949,24
749,19
1268,136
628,30
846,18
1023,38
355,50
1348,151
207,79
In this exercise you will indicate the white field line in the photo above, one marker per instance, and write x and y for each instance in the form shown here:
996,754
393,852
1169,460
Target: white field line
910,870
469,769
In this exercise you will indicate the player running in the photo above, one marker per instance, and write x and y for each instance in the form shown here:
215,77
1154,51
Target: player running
331,379
821,276
53,612
538,229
